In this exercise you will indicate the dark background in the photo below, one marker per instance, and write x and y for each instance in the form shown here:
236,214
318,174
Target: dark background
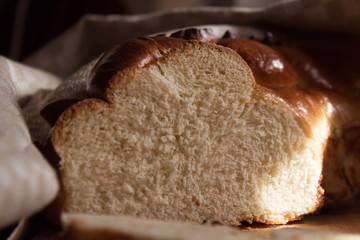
26,25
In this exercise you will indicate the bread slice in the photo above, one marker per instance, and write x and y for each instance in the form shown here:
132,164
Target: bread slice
180,131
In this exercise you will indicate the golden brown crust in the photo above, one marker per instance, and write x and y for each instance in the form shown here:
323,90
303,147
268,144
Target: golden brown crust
311,74
270,69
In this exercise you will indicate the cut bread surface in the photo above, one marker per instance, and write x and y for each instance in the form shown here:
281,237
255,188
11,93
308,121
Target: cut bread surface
189,137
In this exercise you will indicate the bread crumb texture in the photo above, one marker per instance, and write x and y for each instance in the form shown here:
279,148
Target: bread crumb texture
188,137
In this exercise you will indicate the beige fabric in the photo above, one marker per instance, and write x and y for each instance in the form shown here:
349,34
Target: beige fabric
27,182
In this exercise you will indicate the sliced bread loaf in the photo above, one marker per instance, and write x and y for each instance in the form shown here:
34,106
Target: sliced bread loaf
179,130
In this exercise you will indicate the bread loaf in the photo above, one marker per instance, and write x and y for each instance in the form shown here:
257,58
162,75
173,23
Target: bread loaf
179,130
